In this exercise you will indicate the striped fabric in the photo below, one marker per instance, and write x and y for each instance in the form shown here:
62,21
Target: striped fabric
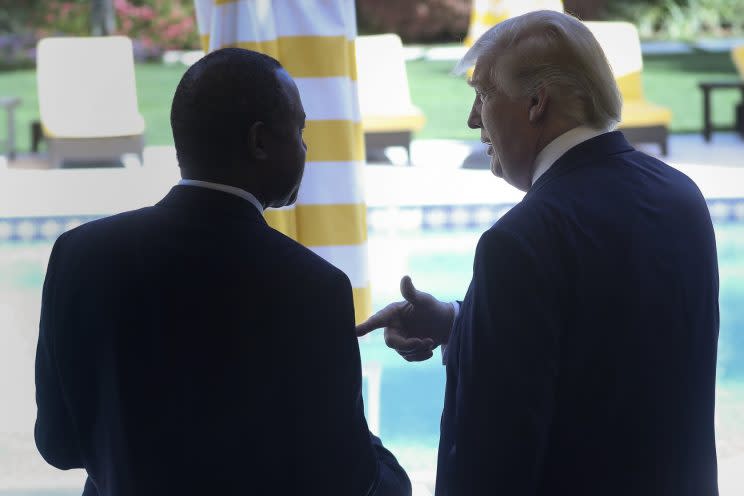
314,41
488,13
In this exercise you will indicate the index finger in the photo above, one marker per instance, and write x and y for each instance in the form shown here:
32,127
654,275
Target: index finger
383,318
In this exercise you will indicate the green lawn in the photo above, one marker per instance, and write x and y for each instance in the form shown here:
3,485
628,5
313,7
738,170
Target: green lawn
669,80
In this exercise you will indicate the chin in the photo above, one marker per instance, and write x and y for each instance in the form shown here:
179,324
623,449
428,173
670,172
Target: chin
291,200
496,168
522,184
287,199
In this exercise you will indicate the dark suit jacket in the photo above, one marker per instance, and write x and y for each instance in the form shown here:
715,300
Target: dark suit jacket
188,348
583,360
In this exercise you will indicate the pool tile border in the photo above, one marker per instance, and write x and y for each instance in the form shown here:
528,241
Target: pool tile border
379,219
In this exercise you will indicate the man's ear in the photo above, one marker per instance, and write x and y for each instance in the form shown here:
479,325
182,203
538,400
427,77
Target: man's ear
257,140
538,105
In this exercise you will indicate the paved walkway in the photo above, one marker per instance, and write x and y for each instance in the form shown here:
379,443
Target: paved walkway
446,172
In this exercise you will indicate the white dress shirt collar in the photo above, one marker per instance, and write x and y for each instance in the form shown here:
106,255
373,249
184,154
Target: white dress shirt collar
559,146
225,189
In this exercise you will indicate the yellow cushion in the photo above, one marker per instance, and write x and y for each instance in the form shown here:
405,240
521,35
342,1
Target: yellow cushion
630,86
622,47
134,126
487,13
639,113
737,54
390,124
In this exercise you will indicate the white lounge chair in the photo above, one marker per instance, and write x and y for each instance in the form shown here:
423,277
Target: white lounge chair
389,118
642,121
88,99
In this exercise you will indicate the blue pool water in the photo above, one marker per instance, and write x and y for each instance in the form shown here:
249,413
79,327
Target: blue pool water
441,264
411,395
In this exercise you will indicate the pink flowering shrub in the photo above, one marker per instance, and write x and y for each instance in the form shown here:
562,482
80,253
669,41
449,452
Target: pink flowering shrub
158,24
155,25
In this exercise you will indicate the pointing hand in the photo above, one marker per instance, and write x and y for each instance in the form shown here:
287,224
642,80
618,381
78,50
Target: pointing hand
415,326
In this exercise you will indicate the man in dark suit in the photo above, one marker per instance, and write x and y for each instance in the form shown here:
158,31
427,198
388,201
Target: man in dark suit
582,359
189,348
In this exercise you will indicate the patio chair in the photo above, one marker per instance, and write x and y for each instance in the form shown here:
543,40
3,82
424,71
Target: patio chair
487,13
388,116
642,121
88,99
737,55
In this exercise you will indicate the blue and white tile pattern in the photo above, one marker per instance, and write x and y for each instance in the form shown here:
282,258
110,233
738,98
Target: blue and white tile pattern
379,219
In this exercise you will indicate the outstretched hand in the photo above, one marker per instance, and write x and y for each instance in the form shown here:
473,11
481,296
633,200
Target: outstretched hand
415,326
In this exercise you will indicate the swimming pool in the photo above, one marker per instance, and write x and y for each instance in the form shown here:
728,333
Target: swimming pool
441,263
435,246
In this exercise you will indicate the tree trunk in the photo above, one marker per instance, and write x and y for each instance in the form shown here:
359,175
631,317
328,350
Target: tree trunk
586,10
102,18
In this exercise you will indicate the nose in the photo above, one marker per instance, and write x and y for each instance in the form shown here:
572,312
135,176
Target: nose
474,119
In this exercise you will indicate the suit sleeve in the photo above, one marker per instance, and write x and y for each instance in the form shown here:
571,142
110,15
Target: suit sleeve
354,462
508,367
54,431
456,307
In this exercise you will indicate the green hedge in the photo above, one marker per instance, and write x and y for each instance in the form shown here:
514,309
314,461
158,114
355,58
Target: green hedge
681,19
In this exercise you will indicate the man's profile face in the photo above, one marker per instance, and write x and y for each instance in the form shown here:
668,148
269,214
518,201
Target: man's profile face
286,146
505,127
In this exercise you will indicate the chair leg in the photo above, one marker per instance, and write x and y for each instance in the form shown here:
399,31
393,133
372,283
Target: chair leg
408,136
36,136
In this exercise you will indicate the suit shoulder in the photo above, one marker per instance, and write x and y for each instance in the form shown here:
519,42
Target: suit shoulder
523,218
501,234
679,178
106,226
651,176
302,262
537,225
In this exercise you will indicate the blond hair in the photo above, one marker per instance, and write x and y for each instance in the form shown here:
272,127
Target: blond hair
555,51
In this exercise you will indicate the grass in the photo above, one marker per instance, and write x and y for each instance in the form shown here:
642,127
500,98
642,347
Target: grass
669,80
673,82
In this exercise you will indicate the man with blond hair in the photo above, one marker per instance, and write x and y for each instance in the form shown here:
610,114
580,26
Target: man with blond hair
582,358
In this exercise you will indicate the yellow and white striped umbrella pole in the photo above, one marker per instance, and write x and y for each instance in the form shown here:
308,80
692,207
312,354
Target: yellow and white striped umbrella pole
314,41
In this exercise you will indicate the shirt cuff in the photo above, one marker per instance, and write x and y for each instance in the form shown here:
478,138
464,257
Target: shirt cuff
456,308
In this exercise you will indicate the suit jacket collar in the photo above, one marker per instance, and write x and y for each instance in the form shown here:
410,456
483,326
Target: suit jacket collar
590,151
210,203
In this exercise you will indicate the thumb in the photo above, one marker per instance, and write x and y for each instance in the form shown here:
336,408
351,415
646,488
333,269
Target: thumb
407,289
